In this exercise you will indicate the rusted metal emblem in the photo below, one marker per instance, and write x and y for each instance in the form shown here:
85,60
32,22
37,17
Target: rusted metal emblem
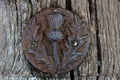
55,41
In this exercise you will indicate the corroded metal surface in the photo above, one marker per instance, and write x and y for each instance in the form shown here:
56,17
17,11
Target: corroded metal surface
55,40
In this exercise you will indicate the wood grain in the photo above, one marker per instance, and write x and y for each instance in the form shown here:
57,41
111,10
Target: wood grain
103,20
108,15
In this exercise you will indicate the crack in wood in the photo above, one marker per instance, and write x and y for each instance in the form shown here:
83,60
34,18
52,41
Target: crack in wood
68,5
31,8
98,41
72,75
93,18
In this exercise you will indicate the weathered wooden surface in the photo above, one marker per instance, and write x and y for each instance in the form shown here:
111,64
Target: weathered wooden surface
108,22
103,18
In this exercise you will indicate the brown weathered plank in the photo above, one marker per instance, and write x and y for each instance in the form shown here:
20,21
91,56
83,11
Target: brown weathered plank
108,14
89,66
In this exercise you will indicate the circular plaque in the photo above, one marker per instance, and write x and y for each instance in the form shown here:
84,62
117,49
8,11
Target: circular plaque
55,40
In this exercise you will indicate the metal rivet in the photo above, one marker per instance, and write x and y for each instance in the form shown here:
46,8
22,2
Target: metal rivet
75,43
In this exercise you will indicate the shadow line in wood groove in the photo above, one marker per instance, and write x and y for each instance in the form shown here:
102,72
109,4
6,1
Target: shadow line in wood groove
94,20
68,5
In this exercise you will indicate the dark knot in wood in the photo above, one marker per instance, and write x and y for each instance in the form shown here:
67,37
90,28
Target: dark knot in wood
55,40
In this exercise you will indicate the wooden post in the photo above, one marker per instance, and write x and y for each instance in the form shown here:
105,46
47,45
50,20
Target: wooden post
103,18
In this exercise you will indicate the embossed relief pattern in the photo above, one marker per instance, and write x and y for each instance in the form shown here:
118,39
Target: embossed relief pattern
55,40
